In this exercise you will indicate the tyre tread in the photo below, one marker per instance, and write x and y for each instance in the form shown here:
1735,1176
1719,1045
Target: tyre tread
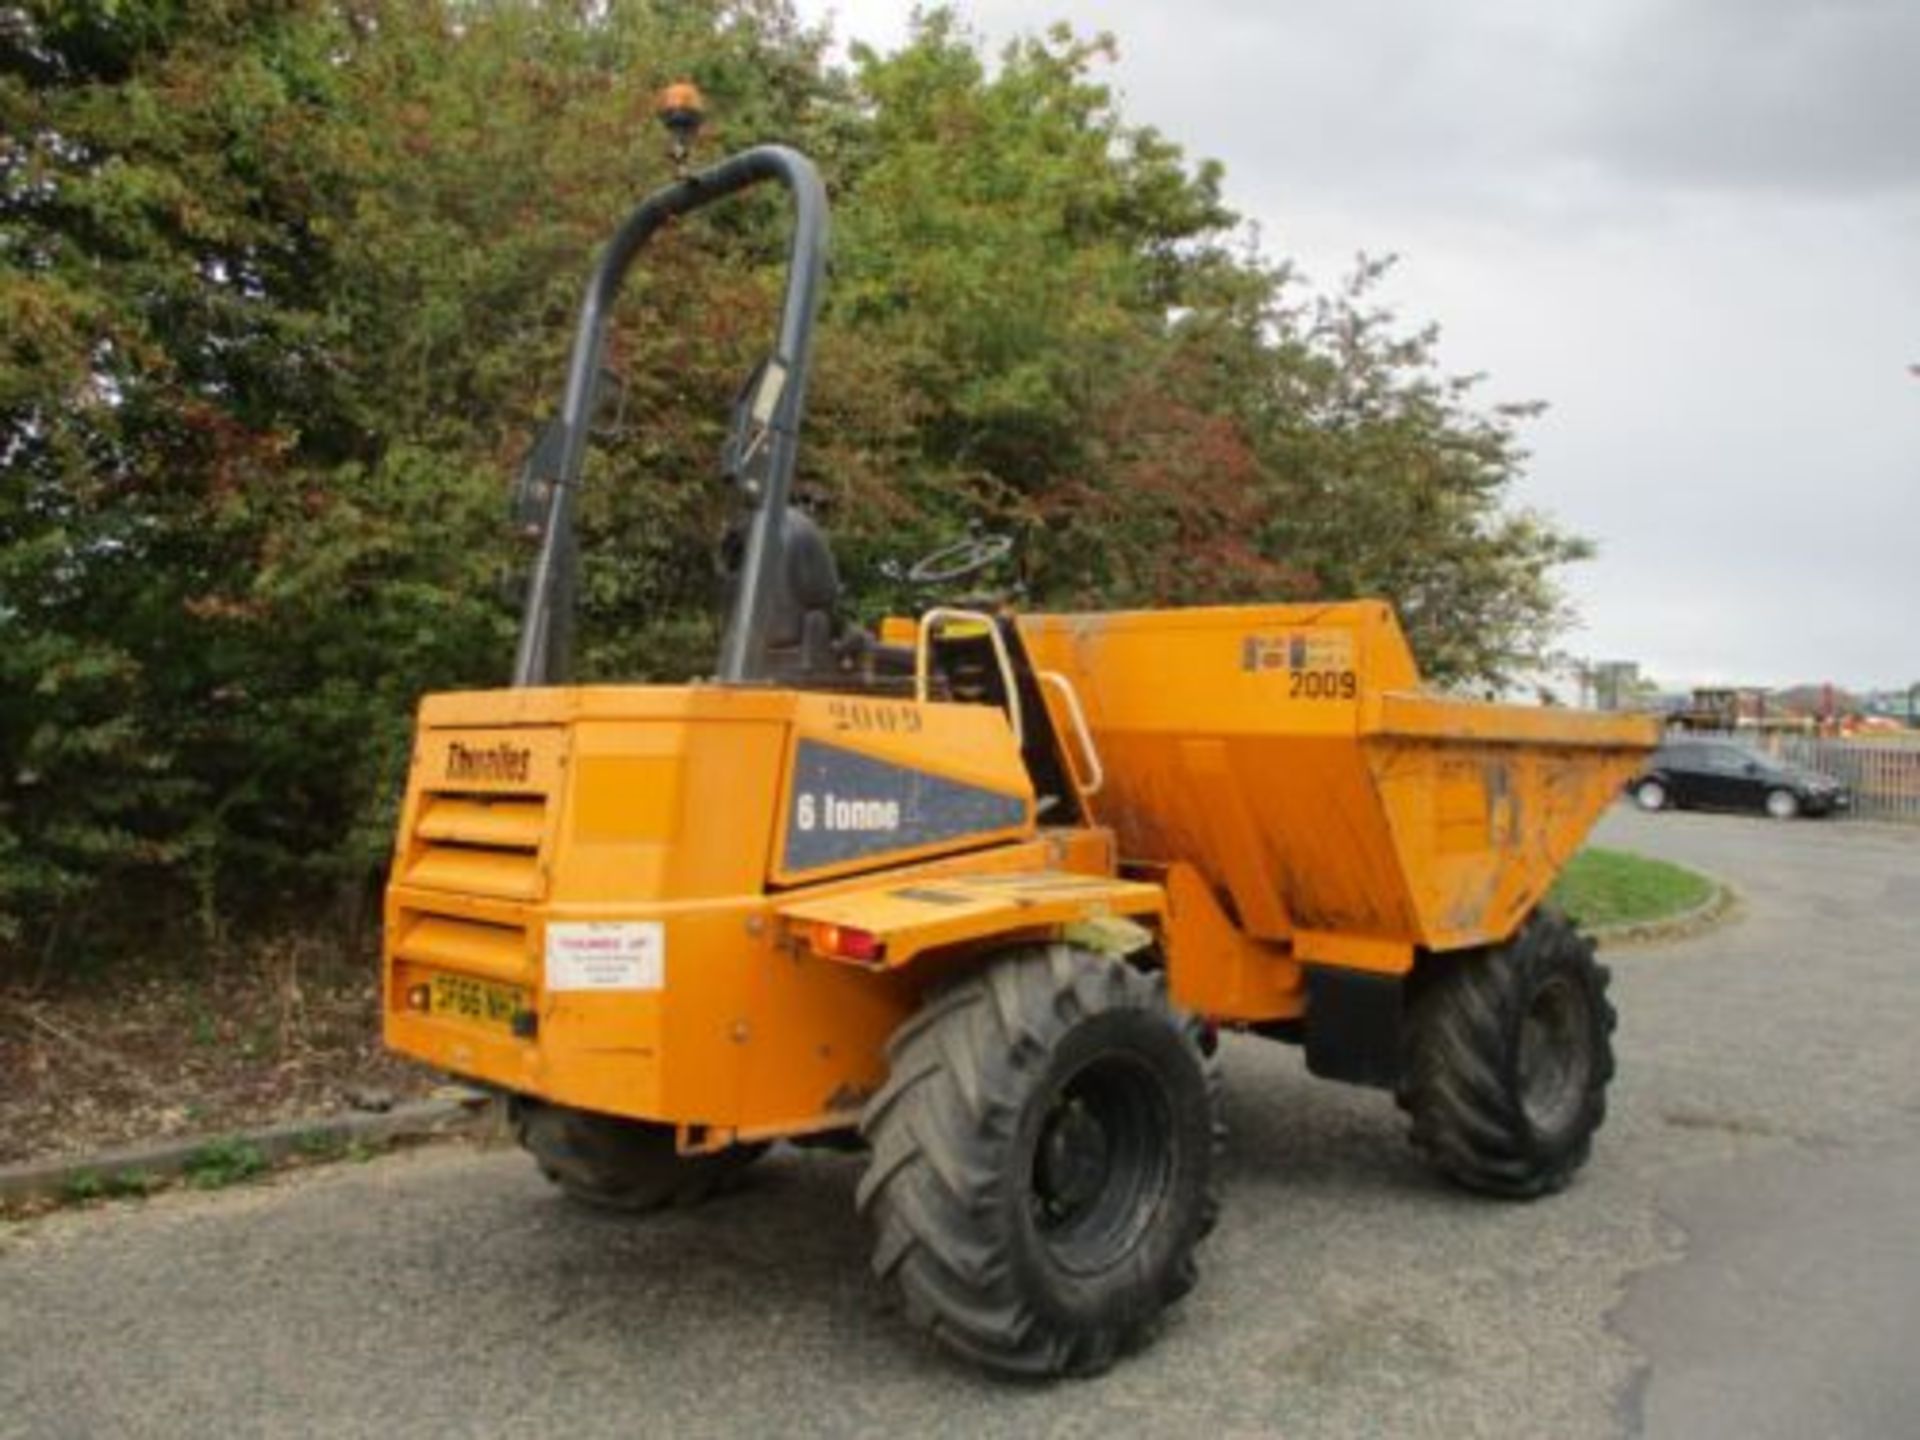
933,1187
1459,1084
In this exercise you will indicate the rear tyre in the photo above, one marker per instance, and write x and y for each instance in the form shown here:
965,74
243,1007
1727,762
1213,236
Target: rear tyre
1510,1052
1782,804
1043,1162
612,1163
1650,795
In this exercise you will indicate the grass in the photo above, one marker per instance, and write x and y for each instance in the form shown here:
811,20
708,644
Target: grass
89,1185
227,1160
223,1162
1615,887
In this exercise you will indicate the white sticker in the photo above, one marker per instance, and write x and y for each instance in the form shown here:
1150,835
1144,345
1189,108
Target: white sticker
607,955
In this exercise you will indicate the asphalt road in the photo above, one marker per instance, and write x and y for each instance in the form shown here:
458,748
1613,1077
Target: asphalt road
1741,1258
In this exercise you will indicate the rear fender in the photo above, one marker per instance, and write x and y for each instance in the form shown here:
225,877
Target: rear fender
890,925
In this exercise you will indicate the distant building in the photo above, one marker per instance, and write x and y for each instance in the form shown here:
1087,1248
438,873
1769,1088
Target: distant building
1745,707
1901,705
1616,685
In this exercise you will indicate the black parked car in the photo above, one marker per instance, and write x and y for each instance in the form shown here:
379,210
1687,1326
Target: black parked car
1720,775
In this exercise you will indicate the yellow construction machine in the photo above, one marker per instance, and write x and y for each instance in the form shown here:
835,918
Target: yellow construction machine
980,891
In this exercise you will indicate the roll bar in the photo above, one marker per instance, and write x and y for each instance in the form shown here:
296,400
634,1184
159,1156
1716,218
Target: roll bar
539,660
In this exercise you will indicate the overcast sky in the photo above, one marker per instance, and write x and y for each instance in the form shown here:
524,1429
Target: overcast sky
1691,226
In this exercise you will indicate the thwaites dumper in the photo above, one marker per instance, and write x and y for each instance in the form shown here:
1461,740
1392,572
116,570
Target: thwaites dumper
980,891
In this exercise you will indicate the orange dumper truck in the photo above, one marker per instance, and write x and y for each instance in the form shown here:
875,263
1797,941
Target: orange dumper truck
978,892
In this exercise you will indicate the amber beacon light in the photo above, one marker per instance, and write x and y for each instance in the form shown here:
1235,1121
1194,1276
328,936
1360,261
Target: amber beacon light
682,109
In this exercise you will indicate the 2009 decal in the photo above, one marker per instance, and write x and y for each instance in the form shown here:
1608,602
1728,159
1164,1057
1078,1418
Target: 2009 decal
865,715
1322,685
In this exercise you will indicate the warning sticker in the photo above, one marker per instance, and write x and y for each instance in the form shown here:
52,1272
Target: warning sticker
1317,664
607,955
1323,649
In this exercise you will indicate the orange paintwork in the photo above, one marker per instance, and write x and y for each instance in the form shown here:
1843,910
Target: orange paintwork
1253,830
656,804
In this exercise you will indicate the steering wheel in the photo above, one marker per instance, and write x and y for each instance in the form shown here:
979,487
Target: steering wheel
966,556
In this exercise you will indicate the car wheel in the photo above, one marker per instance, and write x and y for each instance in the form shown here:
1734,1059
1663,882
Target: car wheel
1782,804
1650,795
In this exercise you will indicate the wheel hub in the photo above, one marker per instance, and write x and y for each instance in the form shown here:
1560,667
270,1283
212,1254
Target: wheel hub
1554,1059
1101,1165
1074,1160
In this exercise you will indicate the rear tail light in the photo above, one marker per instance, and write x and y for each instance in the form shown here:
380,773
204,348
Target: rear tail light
846,942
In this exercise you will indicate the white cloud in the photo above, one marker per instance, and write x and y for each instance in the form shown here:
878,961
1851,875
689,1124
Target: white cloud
1689,226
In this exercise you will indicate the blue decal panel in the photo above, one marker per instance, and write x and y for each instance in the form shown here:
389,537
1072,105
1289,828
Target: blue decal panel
848,806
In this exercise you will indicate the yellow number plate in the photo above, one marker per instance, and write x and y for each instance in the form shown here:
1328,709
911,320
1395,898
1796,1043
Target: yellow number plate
481,1001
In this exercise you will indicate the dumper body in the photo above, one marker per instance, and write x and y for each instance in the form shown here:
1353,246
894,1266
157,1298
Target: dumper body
1289,754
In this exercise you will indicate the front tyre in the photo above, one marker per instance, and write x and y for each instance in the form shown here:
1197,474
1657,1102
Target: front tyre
1650,795
1510,1050
1043,1161
1783,804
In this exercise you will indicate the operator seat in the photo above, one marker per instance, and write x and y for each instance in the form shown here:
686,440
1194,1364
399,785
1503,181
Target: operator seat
810,642
803,605
803,611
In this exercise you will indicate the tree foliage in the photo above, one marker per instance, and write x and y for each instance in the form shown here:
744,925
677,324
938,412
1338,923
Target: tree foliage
286,284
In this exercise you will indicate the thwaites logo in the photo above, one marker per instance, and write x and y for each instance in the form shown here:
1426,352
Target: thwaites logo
846,813
499,762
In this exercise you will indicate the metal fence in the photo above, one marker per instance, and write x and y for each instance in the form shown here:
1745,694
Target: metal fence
1884,774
